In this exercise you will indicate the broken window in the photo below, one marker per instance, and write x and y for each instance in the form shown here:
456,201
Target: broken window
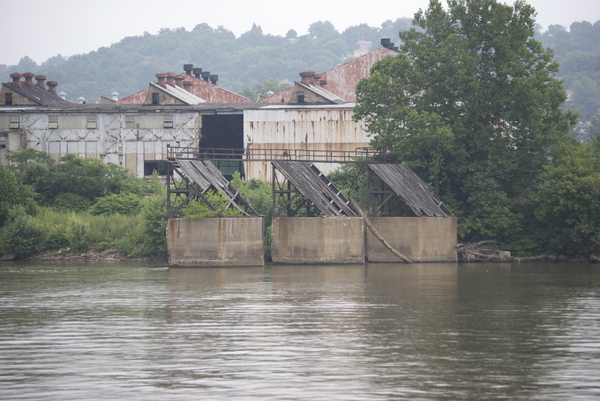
130,121
15,122
168,121
92,121
52,122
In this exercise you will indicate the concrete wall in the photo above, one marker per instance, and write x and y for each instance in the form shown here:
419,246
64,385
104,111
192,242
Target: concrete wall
312,240
422,239
227,241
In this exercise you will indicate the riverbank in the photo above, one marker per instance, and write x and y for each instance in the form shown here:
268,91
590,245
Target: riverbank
107,255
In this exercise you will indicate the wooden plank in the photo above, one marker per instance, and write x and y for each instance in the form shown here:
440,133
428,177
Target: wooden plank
407,185
315,186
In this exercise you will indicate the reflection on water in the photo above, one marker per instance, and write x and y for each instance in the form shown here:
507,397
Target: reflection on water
376,332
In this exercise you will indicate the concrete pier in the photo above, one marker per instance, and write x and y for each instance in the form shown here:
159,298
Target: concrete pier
422,239
317,240
219,241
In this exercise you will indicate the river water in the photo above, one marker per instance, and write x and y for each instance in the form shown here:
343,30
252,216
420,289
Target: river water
374,332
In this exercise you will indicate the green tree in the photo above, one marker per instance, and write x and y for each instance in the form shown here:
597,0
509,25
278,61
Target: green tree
570,200
472,103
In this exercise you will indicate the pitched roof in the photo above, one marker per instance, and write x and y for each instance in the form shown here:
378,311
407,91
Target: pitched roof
320,92
39,96
179,93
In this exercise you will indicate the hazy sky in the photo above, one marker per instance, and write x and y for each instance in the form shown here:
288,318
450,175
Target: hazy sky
42,29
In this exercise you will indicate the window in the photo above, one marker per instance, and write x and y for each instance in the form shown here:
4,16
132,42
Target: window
2,141
92,122
155,99
52,122
15,122
159,165
8,99
130,121
300,96
168,122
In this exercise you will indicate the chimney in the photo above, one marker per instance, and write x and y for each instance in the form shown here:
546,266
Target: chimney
40,81
197,72
179,80
171,78
16,77
385,42
161,79
52,87
187,85
307,77
214,79
28,78
205,75
188,68
322,83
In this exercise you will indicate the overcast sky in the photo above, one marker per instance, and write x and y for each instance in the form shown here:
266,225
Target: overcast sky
42,29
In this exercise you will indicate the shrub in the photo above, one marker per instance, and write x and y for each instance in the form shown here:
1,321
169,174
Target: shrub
127,204
24,235
76,231
70,202
152,230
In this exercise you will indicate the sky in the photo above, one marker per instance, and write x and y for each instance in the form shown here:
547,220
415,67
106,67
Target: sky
42,29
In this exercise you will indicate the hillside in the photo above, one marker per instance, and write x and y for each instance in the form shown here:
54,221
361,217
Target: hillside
255,62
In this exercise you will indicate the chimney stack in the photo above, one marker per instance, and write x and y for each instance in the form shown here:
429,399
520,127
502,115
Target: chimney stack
197,72
52,87
40,81
161,79
307,77
322,83
188,68
214,79
187,85
28,78
16,77
179,80
205,75
171,78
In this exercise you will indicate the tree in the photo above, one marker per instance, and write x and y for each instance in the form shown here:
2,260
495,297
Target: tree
570,200
472,104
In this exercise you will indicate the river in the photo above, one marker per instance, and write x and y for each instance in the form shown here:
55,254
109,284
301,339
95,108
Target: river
134,331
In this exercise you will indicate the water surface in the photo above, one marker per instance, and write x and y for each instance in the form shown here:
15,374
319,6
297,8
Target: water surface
373,332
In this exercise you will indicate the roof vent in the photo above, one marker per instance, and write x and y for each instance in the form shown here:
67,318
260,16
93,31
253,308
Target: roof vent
188,68
16,77
197,72
40,81
115,96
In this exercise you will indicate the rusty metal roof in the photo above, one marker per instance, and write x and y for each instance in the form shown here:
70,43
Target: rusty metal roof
407,185
315,186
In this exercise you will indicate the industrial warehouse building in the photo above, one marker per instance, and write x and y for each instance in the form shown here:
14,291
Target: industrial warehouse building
187,110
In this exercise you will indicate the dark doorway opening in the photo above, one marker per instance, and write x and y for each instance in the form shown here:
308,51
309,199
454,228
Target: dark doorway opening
224,132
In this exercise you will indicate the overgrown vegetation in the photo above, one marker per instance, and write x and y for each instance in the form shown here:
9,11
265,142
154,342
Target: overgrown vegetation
471,102
75,205
115,211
